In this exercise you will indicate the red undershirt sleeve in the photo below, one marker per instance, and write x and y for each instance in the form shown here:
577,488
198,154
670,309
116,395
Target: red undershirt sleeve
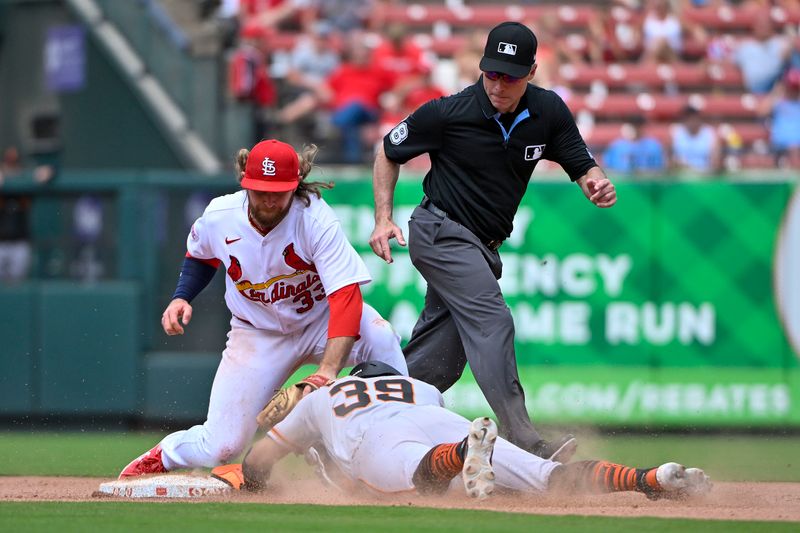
211,262
346,306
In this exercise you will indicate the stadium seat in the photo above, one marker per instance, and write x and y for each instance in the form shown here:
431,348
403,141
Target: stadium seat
680,75
487,15
727,18
601,134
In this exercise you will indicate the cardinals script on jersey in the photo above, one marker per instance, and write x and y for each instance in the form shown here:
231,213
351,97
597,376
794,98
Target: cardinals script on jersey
269,283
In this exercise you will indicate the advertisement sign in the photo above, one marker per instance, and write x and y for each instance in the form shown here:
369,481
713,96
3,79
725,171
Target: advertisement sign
677,305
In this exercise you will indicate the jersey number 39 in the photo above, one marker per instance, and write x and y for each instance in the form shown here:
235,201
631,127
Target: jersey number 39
386,390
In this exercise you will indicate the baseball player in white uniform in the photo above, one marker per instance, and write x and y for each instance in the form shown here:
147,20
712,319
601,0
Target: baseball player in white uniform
391,433
292,286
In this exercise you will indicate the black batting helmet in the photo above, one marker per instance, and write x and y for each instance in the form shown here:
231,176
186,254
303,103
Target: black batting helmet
373,369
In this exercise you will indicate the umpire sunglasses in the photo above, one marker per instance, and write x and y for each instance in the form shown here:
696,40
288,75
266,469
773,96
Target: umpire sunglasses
494,76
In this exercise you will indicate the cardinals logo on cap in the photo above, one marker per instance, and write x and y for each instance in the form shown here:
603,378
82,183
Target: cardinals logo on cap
272,166
268,167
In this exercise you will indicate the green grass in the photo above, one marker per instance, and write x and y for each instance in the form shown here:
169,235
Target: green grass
725,457
216,517
71,454
102,454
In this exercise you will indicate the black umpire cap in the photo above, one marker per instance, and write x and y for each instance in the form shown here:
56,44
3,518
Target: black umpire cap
373,369
510,49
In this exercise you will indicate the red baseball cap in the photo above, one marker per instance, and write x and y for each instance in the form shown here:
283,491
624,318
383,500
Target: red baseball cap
272,166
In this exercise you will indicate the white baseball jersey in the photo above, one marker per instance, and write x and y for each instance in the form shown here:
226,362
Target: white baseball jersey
377,430
277,282
339,415
276,291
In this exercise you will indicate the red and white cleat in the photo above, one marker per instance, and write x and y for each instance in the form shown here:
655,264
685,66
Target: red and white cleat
147,463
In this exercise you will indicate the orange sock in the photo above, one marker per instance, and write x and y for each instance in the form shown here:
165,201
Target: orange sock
441,464
603,476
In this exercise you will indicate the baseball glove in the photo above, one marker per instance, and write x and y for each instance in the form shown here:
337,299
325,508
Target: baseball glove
285,399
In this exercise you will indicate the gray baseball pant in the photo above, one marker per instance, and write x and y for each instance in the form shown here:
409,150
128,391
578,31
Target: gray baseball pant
465,319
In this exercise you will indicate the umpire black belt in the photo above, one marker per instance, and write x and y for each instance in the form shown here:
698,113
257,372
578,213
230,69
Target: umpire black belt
428,205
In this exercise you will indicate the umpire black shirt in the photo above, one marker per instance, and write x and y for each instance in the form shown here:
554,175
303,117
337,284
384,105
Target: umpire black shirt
479,172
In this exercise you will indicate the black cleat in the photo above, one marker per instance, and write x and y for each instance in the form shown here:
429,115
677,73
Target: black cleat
560,450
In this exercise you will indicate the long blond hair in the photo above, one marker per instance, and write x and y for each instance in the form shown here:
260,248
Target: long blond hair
304,189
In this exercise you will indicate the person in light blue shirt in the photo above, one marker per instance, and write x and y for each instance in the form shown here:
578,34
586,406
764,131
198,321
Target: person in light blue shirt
635,153
695,145
763,57
783,109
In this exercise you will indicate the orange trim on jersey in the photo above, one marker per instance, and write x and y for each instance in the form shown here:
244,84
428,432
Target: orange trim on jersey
214,262
282,440
376,489
346,306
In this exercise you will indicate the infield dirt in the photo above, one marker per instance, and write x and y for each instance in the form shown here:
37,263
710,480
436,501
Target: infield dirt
727,501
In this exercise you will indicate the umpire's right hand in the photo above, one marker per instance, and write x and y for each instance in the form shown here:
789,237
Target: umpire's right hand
385,230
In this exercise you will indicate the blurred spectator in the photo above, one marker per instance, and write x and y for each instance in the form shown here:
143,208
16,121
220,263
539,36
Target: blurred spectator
355,89
225,13
634,153
794,52
468,58
551,54
662,33
44,165
11,165
762,57
667,36
313,58
345,15
267,15
249,81
721,49
615,36
427,91
403,59
554,50
701,3
783,108
695,145
88,219
15,246
394,114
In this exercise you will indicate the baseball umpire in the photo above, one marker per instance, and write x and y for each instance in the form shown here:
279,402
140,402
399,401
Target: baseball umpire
484,144
391,433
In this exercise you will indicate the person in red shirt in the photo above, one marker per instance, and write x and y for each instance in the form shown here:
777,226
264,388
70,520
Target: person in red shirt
402,58
354,91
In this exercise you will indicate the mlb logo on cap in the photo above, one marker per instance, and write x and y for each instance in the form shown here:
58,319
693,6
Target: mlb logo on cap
272,166
507,48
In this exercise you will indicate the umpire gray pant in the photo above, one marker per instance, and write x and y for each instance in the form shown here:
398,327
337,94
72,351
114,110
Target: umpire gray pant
465,319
